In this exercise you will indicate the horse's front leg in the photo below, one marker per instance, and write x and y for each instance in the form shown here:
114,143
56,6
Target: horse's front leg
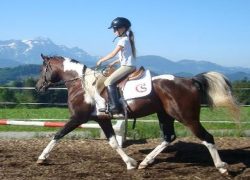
68,127
110,134
166,123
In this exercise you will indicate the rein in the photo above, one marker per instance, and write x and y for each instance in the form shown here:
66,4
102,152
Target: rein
96,69
70,80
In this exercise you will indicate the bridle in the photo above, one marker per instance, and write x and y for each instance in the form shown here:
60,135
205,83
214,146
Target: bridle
48,69
48,83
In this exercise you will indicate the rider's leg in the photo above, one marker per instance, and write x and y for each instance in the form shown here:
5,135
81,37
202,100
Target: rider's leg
110,83
113,98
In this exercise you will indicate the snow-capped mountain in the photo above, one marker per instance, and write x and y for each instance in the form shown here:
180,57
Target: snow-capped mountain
18,52
21,52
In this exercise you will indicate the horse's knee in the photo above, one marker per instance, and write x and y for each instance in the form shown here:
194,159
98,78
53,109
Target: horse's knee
58,135
168,132
113,142
169,138
200,132
205,136
209,138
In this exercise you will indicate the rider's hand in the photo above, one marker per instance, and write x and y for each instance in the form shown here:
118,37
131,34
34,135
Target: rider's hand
98,63
110,65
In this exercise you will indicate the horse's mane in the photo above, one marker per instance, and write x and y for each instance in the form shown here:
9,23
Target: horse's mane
63,58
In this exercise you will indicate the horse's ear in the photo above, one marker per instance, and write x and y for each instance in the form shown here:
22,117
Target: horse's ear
44,57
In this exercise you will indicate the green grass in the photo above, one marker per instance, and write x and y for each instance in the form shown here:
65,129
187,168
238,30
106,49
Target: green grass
34,113
143,130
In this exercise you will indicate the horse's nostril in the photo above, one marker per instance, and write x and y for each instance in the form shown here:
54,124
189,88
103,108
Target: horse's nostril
36,89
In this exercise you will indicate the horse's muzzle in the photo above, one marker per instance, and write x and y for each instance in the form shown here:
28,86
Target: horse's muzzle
41,88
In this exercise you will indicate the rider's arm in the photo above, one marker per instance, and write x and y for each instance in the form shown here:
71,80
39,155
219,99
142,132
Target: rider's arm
110,55
114,62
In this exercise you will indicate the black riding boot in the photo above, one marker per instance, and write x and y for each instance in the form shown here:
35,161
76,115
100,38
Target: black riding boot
113,97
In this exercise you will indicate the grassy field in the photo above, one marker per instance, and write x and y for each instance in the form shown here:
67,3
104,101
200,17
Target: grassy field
143,129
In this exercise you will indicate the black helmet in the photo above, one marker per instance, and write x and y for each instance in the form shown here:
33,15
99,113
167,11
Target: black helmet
120,22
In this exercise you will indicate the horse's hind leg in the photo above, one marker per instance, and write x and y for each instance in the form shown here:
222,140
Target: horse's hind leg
110,134
166,123
69,126
208,140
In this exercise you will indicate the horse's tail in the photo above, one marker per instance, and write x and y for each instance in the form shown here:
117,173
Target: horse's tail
216,91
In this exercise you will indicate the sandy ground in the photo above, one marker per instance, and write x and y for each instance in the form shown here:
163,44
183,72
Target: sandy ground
186,158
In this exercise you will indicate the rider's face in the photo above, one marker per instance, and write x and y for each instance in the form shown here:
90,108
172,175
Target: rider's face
118,31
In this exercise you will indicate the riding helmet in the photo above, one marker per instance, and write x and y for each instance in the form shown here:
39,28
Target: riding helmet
120,22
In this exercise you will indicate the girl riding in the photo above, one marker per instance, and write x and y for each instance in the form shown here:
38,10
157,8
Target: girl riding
127,54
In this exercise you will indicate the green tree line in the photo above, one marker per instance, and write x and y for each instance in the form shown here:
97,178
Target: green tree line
31,96
241,89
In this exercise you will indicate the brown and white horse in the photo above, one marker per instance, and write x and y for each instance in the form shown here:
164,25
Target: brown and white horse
171,98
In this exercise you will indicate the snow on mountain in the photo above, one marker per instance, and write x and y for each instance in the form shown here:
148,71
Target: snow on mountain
29,51
18,52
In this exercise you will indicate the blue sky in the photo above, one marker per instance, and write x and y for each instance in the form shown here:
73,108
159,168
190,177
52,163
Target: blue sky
212,30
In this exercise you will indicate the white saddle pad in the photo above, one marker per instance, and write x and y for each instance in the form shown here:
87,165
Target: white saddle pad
139,87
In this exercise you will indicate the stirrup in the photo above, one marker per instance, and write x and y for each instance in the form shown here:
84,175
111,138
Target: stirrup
107,110
102,110
115,111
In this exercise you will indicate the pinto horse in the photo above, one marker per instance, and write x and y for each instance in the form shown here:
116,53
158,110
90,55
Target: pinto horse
172,98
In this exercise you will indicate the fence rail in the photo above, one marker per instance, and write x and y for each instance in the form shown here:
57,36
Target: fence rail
65,104
130,120
29,88
57,88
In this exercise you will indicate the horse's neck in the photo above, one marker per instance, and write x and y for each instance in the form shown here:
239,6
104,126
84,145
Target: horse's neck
87,79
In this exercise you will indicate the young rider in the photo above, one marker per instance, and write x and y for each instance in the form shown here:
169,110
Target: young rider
127,54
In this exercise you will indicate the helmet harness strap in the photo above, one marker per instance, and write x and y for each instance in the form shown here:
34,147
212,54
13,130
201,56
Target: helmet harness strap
124,32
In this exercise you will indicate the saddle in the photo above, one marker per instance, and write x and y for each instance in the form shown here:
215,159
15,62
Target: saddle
134,75
137,84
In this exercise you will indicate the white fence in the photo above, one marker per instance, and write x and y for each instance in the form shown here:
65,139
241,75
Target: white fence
65,104
60,104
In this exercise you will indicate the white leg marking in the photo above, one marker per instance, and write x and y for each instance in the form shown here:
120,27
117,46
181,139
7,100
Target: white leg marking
220,165
151,156
130,162
46,151
100,102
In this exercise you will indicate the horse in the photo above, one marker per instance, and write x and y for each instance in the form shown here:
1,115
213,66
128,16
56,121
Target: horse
171,98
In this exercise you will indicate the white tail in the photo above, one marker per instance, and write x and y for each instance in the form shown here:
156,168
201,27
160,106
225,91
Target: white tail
220,94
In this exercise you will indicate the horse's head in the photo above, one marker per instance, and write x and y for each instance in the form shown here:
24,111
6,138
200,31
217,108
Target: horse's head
49,74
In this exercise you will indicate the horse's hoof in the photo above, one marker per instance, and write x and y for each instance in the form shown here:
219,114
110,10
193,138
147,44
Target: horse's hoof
145,163
222,167
131,167
41,161
142,165
151,161
223,171
132,164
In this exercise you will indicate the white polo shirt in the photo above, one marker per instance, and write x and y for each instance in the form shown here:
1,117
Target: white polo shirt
125,55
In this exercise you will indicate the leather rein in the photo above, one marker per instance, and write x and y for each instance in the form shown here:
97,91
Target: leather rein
48,69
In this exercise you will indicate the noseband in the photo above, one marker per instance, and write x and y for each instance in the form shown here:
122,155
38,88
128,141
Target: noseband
46,82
